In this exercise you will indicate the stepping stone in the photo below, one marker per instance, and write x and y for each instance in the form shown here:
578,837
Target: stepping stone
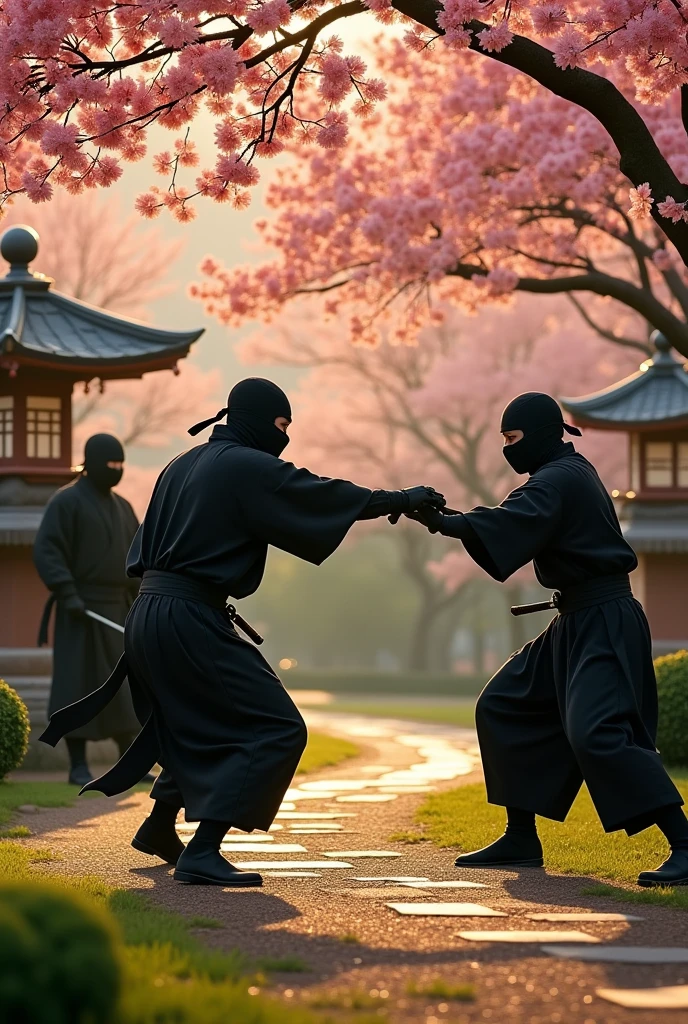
287,805
320,795
621,954
312,815
258,865
390,878
259,848
340,784
320,832
366,798
352,854
291,874
532,937
582,916
445,885
247,837
400,790
671,997
448,910
382,892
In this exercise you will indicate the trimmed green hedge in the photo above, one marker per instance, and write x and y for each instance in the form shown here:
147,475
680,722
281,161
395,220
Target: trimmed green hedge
376,683
672,690
59,960
14,729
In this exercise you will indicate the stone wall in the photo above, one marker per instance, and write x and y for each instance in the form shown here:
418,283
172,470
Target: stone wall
28,671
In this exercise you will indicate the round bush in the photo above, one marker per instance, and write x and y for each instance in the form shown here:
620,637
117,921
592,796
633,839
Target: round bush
14,729
672,690
59,960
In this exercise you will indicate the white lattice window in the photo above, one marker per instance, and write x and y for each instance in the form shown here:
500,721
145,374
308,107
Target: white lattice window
6,426
43,427
659,464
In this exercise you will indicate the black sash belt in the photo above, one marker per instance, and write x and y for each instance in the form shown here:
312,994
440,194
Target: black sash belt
137,761
172,584
580,596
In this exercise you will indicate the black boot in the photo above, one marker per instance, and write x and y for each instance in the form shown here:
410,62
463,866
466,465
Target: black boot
157,835
674,871
79,772
201,863
519,847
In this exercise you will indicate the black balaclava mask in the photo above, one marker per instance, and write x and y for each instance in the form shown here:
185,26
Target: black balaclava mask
252,408
101,449
540,419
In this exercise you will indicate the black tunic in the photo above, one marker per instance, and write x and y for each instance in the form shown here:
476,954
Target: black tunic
223,726
81,547
578,703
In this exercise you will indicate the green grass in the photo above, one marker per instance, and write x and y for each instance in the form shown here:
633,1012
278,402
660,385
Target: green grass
205,922
409,837
325,751
16,832
460,713
41,794
462,818
438,988
654,897
169,976
350,938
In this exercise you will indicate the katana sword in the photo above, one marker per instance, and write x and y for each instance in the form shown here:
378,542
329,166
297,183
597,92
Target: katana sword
106,622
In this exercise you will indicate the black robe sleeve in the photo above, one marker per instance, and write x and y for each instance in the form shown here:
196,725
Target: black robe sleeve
54,546
299,512
504,539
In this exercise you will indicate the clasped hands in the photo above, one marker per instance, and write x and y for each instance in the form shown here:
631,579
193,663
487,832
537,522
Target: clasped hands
424,504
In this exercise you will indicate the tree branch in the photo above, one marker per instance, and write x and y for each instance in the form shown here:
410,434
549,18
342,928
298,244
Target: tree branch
674,329
640,156
604,333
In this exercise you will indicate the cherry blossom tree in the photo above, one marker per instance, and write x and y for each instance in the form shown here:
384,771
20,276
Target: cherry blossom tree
472,184
81,85
396,415
76,232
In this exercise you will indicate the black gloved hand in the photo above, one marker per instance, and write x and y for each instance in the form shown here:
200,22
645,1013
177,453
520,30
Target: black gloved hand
428,516
74,606
419,497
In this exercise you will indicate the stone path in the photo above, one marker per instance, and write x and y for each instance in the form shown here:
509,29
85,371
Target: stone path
335,883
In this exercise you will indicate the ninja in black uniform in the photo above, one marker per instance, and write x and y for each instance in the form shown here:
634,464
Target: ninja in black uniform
578,703
222,725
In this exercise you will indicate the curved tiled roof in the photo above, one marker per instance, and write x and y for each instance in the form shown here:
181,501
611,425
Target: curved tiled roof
41,326
656,394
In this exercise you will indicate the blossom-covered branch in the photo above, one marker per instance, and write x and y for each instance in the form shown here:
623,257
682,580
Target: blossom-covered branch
81,85
470,184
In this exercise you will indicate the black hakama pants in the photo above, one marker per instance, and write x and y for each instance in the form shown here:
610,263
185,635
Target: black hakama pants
578,704
229,735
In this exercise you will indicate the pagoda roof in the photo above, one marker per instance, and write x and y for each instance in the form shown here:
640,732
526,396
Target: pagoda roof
656,395
43,328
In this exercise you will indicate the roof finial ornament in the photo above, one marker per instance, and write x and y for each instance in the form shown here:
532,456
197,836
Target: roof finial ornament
663,356
660,342
19,246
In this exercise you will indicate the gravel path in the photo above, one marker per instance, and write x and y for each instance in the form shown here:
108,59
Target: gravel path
348,938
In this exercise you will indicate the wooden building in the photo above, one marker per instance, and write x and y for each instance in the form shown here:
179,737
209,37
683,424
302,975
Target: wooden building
651,406
48,343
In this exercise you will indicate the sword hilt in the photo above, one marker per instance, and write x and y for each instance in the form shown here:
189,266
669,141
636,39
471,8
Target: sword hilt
539,606
243,625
